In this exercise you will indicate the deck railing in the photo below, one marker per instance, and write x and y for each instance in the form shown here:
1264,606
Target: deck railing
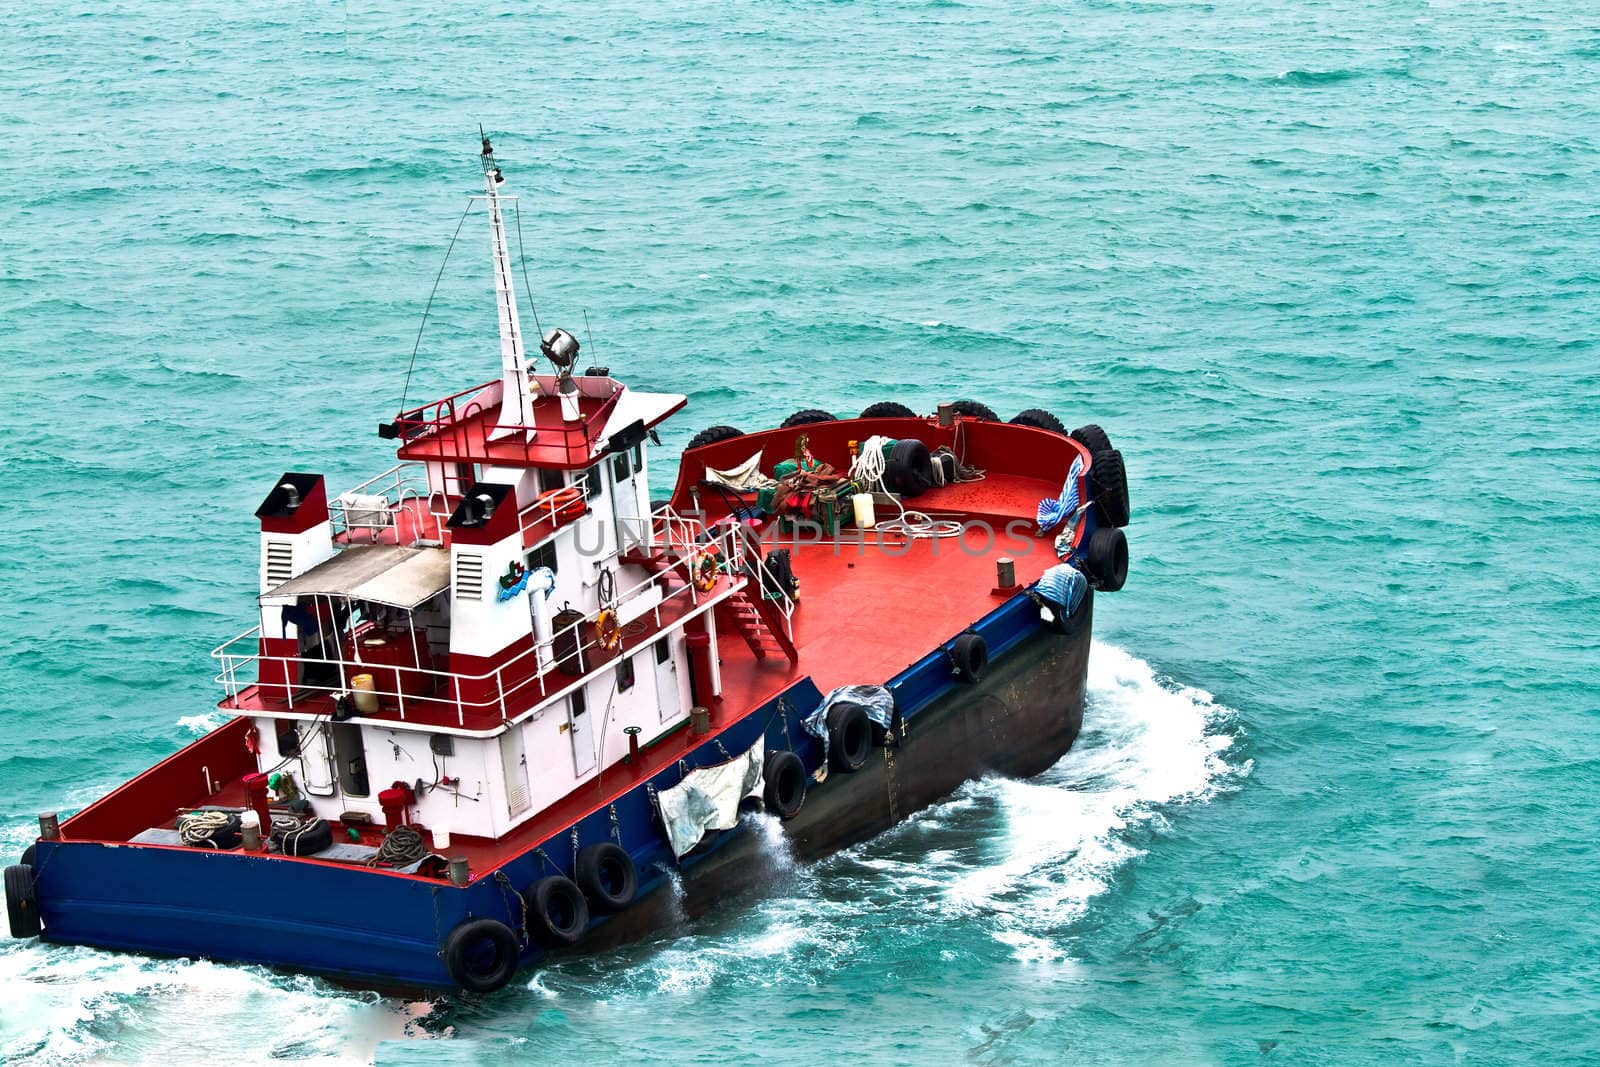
463,418
377,503
544,670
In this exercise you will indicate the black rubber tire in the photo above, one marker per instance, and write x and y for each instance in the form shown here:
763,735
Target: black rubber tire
597,372
849,737
225,837
28,855
1091,437
1108,484
311,838
558,912
481,955
974,410
608,877
1039,419
22,905
1105,561
785,783
908,470
887,409
807,417
969,658
711,435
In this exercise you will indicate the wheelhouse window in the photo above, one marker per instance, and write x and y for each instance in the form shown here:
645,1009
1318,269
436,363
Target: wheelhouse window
551,480
624,674
288,738
621,468
663,650
638,458
592,475
543,556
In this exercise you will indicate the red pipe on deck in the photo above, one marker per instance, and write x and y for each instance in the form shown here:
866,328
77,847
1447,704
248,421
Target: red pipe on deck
700,677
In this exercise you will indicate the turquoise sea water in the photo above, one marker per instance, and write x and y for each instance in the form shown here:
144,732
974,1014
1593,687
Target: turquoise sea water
1325,270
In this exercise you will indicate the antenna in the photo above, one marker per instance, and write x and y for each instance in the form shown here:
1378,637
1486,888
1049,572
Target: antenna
589,336
519,389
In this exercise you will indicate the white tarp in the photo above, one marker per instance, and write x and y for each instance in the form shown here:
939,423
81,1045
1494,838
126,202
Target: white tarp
708,799
744,477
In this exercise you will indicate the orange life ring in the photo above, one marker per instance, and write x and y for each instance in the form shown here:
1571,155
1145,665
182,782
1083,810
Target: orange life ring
563,503
706,569
607,631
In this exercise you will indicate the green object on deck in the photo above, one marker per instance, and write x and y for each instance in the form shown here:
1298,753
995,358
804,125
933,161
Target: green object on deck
355,835
273,779
784,468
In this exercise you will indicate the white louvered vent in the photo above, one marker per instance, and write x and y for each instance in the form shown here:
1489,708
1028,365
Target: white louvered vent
469,577
280,562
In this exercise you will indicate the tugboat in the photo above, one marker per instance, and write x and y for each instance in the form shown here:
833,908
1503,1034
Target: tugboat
500,703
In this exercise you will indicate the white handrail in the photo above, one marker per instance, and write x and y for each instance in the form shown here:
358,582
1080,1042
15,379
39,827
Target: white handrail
441,681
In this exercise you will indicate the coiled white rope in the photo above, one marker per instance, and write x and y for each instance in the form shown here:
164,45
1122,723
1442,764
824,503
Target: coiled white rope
199,828
868,468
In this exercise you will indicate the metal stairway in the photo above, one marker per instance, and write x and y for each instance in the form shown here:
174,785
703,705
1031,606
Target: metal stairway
757,621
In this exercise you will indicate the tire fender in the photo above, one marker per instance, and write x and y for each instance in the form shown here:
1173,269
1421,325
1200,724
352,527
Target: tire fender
1105,563
784,788
481,955
608,876
558,912
969,658
849,737
22,902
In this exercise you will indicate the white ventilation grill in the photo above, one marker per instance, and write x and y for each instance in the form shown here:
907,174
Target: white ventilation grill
469,577
280,562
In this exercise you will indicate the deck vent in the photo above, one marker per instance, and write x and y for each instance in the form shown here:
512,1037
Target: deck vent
469,576
280,562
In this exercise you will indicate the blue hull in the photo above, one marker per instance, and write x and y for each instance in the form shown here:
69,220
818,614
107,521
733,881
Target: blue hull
380,928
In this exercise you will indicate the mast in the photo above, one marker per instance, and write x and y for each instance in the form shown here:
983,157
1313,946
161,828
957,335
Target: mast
516,408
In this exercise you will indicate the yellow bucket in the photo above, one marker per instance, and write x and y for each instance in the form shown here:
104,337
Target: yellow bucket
365,697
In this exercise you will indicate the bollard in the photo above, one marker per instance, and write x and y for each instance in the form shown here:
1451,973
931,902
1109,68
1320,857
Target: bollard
49,826
1005,577
250,830
947,415
700,721
458,871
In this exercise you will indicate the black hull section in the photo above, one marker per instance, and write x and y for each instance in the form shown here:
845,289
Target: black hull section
1018,721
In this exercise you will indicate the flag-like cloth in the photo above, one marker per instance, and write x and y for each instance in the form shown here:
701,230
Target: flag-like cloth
1052,512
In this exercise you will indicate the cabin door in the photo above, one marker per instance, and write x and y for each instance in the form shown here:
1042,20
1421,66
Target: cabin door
514,765
669,698
316,761
582,732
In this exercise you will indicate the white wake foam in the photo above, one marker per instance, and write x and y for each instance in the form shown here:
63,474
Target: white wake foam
1017,861
69,1005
